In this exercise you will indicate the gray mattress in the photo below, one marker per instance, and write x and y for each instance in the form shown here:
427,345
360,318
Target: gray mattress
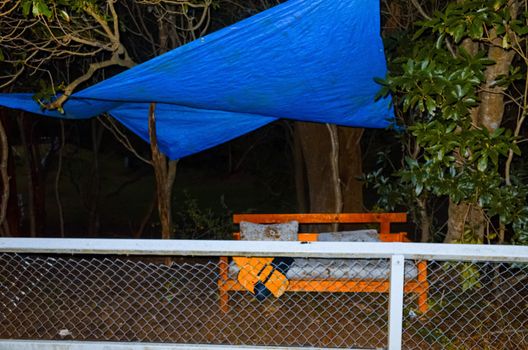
312,269
308,269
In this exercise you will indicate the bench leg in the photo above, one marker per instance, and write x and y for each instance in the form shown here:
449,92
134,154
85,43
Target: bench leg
422,300
424,287
223,295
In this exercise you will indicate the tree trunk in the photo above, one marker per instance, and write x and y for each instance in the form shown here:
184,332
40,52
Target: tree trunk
328,193
165,172
464,216
491,109
164,169
36,188
489,115
351,168
424,219
334,165
4,158
95,180
58,178
317,151
12,210
299,173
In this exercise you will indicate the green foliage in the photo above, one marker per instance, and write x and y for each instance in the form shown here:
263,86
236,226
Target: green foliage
470,19
36,8
469,276
438,336
55,8
193,222
392,193
435,85
463,165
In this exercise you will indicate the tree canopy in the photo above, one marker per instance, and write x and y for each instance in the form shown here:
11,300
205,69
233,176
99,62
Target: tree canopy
461,94
458,76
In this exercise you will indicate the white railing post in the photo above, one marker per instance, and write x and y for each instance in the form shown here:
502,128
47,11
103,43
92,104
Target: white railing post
396,302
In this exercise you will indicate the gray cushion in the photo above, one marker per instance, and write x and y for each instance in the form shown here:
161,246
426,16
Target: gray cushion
309,269
350,236
332,269
324,269
276,232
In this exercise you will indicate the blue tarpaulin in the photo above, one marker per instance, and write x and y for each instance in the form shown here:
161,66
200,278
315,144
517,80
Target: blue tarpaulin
309,60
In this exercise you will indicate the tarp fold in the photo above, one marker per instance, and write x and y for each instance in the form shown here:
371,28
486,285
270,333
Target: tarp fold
308,60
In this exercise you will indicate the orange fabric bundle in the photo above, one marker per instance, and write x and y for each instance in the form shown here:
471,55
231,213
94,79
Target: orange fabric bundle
257,272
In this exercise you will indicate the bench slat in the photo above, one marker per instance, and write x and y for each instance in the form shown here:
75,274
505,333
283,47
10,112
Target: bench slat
336,286
322,218
313,237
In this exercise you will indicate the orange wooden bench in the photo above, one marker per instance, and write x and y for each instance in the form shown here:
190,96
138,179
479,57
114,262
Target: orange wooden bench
418,286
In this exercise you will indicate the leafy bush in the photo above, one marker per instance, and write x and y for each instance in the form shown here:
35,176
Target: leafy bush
438,88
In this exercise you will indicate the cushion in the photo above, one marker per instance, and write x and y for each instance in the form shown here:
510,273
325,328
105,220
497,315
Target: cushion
321,269
350,236
346,268
332,269
276,232
341,268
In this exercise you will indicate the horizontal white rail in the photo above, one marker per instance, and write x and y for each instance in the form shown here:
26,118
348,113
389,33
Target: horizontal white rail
87,345
421,251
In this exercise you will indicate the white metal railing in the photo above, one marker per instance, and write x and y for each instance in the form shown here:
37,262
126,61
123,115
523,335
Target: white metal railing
398,253
412,251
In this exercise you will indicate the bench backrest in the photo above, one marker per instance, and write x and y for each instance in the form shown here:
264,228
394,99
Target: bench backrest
384,221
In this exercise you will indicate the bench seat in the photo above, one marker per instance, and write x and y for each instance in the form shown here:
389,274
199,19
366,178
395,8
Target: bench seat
334,275
333,269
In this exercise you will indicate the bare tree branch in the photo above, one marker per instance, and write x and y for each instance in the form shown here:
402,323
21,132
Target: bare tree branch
3,171
420,9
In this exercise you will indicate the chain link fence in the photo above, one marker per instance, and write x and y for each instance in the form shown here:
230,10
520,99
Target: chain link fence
471,306
337,303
